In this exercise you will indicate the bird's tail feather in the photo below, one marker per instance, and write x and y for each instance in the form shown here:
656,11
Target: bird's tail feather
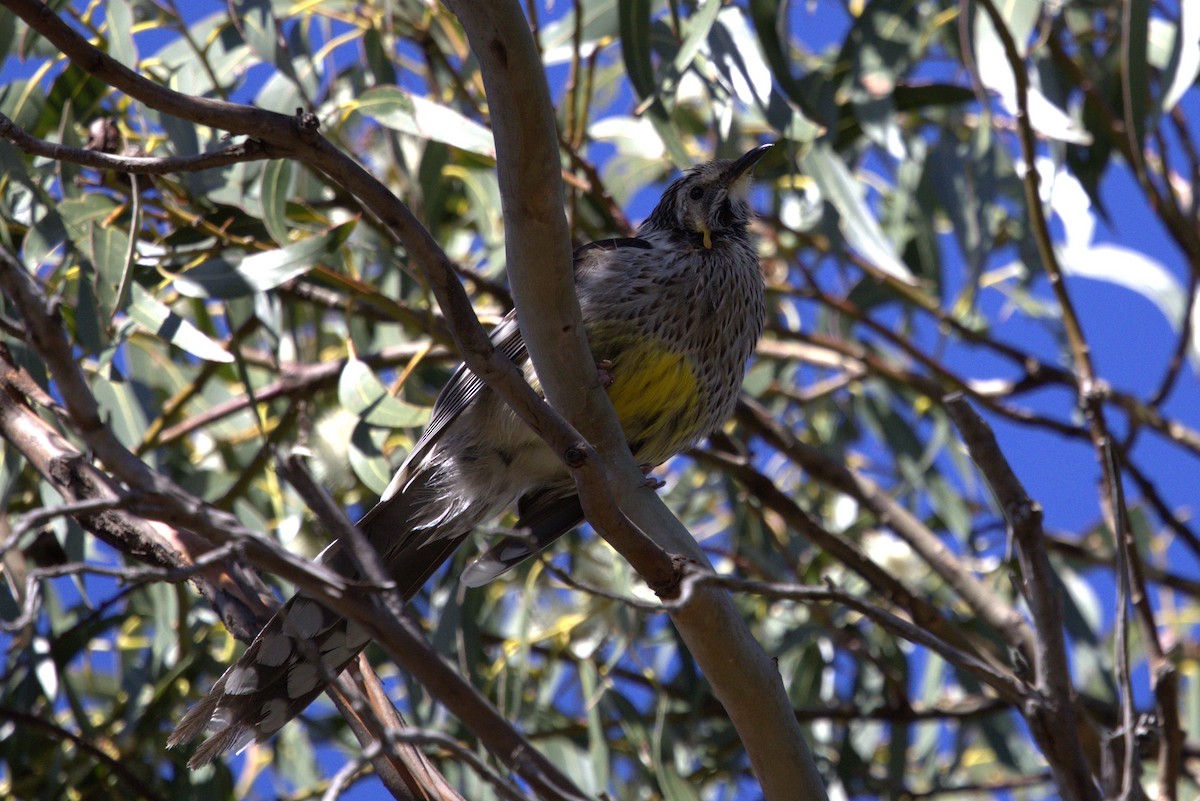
305,646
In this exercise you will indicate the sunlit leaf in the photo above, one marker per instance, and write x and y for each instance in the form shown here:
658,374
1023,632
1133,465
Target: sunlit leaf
599,21
1184,64
367,458
120,34
996,72
122,408
402,111
159,320
219,278
858,224
276,188
360,392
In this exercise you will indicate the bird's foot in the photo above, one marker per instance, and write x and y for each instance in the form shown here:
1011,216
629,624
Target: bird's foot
653,482
604,372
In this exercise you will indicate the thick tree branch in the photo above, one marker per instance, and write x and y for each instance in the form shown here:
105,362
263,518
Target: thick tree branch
745,680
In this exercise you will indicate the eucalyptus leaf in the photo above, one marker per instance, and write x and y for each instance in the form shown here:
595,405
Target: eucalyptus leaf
274,190
226,279
1184,65
857,223
121,407
599,22
360,392
158,319
121,45
367,459
395,108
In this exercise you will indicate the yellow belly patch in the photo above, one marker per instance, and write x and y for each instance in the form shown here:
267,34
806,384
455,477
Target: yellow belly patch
655,394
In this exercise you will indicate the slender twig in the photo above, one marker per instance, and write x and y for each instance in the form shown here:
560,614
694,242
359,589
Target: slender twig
985,603
1183,343
1051,711
239,153
117,766
1164,676
1130,789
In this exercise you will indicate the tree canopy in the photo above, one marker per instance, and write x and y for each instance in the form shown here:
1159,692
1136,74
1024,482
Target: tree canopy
243,246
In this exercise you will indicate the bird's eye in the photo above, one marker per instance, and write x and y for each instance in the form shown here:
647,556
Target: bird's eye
696,192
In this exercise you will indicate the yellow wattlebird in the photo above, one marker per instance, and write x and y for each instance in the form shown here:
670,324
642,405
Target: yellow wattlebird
673,315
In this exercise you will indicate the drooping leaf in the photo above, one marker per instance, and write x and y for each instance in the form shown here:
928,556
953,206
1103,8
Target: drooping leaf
403,111
121,45
858,224
226,279
363,394
275,188
158,319
1184,65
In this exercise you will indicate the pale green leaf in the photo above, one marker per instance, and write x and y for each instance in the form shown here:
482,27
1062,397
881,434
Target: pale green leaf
857,222
275,189
362,393
121,45
158,319
394,108
225,279
1184,64
367,459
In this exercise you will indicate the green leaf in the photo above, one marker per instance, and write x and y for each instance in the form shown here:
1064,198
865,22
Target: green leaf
259,28
1137,39
44,237
600,21
86,209
362,393
857,223
74,89
22,102
394,108
634,19
275,189
770,23
108,247
698,26
1184,65
220,278
121,45
119,405
159,320
367,459
8,32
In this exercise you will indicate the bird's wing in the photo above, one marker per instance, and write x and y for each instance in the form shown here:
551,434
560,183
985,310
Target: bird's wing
543,517
458,393
464,386
585,254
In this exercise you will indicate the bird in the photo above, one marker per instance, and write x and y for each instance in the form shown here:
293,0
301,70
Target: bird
672,316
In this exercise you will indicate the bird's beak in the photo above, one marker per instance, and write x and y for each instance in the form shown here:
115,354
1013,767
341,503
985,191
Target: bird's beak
746,162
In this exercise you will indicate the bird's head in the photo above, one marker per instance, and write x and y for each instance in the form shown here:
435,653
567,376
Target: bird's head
709,199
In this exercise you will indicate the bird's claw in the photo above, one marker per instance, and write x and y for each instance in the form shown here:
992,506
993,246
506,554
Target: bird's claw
604,372
653,482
